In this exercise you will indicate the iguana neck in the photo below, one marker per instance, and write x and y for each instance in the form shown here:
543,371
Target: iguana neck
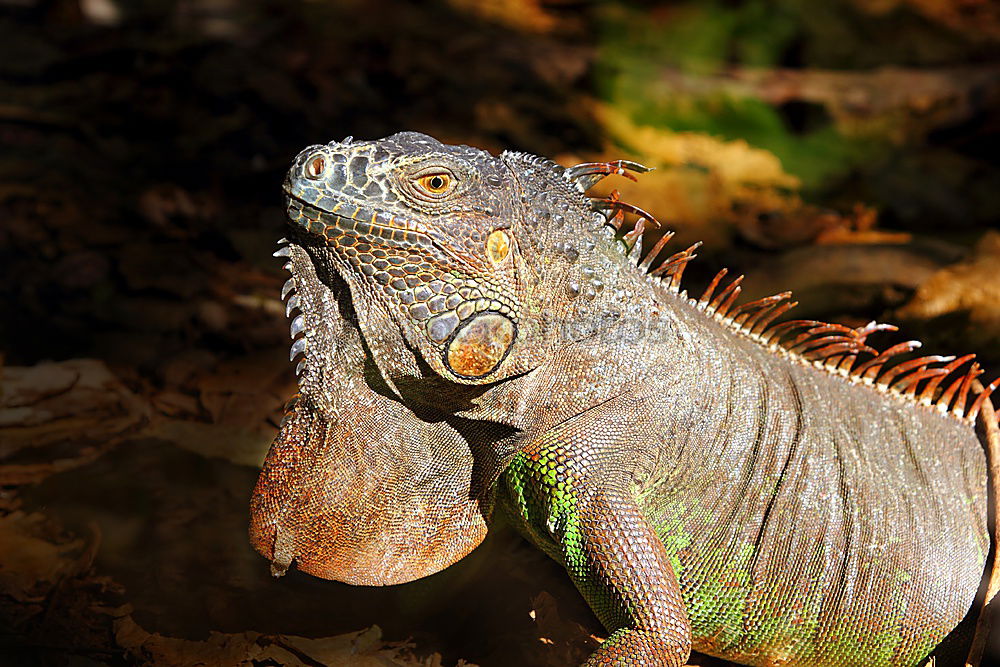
577,280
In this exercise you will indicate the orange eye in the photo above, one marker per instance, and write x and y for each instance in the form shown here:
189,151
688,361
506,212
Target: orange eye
315,167
436,184
498,246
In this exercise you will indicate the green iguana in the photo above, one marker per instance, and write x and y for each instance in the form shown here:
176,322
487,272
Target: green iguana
476,333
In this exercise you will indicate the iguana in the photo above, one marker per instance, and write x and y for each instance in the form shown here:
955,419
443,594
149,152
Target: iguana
477,334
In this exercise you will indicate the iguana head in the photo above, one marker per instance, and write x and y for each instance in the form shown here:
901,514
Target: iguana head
420,230
465,252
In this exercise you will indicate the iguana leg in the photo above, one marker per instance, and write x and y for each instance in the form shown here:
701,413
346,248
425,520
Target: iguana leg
623,571
593,525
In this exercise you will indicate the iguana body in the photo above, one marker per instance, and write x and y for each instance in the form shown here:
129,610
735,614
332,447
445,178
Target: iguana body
475,334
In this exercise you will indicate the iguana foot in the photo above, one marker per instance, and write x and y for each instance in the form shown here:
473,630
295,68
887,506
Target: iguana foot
640,648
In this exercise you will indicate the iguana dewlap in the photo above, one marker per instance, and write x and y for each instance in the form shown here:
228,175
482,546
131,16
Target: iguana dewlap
474,331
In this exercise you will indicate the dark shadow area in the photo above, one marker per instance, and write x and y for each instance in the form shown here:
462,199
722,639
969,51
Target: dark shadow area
172,532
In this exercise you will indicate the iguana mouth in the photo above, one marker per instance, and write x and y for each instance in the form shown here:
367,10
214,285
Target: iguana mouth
351,221
345,219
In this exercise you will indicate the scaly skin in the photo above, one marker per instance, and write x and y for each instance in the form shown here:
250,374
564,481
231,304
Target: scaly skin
474,334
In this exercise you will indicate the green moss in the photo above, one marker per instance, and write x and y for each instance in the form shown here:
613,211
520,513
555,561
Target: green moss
659,71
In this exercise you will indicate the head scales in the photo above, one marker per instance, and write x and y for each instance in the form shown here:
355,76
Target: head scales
418,231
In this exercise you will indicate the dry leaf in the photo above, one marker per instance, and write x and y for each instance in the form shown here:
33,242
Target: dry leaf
706,188
970,287
27,385
526,15
364,648
34,557
978,19
60,415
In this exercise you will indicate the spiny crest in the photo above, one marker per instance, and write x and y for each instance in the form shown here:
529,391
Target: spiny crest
297,327
535,162
589,174
833,347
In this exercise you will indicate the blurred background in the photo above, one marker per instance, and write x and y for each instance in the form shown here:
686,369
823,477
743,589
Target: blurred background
843,149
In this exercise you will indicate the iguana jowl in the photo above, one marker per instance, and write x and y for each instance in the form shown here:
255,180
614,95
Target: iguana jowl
476,333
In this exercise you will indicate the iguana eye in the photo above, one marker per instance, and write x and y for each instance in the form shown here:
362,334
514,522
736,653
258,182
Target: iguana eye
498,246
315,167
436,184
